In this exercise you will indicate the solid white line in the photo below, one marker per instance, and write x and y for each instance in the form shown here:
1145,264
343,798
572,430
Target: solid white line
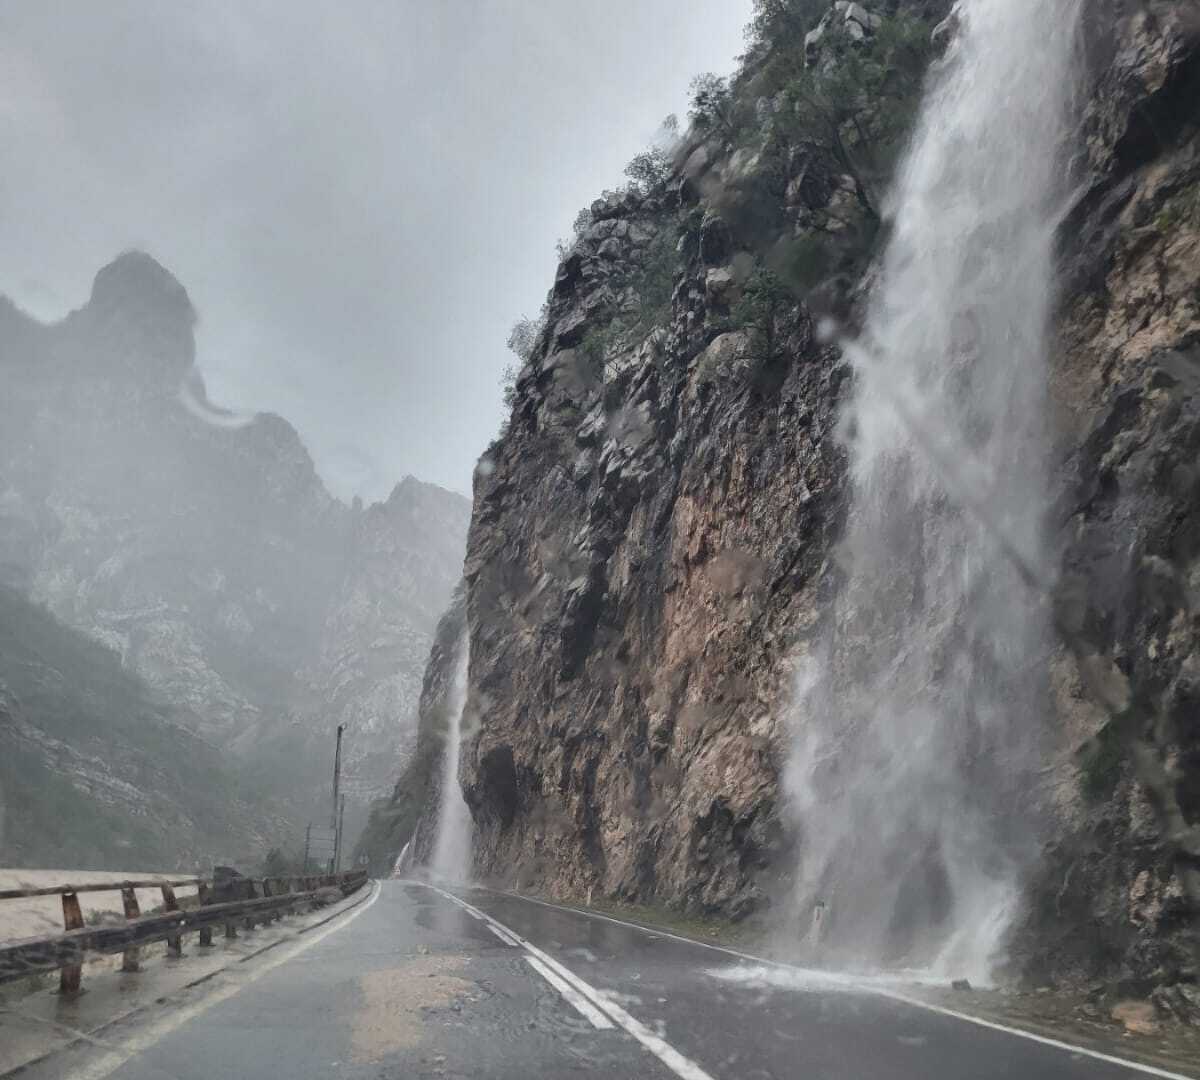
1149,1070
584,1007
680,1065
503,936
508,937
119,1056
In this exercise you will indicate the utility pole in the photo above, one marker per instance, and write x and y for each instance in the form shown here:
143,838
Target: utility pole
307,845
337,837
337,780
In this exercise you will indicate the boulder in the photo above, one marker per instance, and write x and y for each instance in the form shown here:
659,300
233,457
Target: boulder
721,288
1139,1017
570,328
611,249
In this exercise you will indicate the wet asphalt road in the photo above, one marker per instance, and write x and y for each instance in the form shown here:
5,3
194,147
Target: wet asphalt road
414,983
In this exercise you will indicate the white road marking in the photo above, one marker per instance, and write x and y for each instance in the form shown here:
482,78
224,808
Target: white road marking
681,1066
118,1056
584,1007
503,936
1148,1070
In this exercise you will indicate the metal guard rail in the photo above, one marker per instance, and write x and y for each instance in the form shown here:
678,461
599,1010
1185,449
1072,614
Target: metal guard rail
269,899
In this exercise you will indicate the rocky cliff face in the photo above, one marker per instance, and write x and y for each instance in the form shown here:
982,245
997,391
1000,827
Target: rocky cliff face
1120,884
654,533
205,551
406,555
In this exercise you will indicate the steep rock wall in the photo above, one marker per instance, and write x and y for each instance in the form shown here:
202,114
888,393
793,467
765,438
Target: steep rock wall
654,532
1112,893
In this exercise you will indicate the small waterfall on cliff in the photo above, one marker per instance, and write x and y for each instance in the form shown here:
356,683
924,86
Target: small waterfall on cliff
452,846
917,719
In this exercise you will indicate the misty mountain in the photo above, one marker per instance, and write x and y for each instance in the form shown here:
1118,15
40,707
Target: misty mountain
203,549
97,771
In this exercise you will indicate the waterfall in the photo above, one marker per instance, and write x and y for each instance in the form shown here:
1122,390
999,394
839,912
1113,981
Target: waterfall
452,846
918,715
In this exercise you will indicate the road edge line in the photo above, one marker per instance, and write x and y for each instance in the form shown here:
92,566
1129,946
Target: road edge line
77,1037
1046,1040
905,999
120,1055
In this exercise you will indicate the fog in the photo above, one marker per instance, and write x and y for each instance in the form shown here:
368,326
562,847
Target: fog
360,198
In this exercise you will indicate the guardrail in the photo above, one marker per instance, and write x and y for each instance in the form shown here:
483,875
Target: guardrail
224,901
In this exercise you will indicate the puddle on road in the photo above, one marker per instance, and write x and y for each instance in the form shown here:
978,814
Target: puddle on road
390,1018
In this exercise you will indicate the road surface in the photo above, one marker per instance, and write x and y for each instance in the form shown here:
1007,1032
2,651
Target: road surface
417,982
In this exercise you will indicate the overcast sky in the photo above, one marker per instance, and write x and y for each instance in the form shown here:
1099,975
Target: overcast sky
360,197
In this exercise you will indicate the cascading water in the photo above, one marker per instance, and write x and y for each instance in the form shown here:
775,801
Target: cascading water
452,846
917,719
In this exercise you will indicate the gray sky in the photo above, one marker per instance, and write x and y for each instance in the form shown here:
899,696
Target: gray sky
361,197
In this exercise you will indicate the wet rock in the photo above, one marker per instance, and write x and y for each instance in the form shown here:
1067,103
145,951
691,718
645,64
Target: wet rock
1181,1002
612,248
716,242
943,33
569,331
721,288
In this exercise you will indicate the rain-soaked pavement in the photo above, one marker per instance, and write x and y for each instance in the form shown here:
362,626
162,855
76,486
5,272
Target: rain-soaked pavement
416,982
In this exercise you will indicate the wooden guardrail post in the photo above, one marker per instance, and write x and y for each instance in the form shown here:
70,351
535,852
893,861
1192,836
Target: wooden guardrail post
204,895
70,975
227,899
230,925
251,894
131,960
175,941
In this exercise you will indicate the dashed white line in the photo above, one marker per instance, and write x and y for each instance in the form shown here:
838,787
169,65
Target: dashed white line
581,1004
895,995
682,1066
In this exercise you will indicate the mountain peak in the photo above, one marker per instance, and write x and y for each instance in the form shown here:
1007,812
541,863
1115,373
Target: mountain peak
135,279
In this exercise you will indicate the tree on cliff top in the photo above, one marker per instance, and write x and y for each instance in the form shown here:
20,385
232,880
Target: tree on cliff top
854,108
522,340
860,107
782,20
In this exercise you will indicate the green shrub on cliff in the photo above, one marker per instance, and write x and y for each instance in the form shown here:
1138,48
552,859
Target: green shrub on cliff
765,298
852,103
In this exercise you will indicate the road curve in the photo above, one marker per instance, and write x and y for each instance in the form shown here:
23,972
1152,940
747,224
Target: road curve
419,982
